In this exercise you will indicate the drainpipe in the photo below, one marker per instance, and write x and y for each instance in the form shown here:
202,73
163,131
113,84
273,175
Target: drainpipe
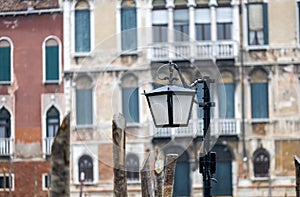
242,87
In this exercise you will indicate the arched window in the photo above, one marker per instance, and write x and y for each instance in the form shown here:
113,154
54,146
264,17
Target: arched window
52,61
85,166
52,121
128,25
82,27
259,94
5,127
226,95
84,101
132,167
5,61
261,162
130,98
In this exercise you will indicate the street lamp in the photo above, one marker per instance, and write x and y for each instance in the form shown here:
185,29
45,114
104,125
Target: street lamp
171,106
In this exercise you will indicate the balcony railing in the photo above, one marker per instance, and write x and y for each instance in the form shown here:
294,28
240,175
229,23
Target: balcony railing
224,127
193,50
6,146
48,144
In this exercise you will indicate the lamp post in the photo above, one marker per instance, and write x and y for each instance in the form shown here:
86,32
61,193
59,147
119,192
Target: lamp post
171,106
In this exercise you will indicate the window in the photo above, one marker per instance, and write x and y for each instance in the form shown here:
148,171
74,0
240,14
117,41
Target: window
181,24
259,95
258,23
160,25
52,61
4,124
85,165
226,96
5,61
261,162
46,179
6,181
128,25
203,26
82,27
132,167
84,101
52,122
224,23
130,98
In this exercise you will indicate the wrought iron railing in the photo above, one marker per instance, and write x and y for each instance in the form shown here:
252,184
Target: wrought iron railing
6,146
48,144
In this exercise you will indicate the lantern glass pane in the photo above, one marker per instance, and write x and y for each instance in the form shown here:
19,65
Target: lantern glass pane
159,109
181,108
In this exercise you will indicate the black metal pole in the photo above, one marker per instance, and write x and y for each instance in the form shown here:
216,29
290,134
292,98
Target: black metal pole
205,165
206,159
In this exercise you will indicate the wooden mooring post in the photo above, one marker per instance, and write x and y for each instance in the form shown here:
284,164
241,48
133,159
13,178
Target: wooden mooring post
60,161
118,133
297,168
170,164
146,179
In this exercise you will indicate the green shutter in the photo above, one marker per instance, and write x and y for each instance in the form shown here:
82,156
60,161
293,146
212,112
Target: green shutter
5,64
128,28
84,107
200,99
52,63
259,100
82,31
266,27
130,104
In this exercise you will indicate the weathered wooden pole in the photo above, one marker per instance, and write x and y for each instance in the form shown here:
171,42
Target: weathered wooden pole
118,133
159,173
171,160
297,167
146,179
60,161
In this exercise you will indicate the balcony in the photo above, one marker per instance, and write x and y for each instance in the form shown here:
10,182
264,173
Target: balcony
48,144
6,147
193,50
224,127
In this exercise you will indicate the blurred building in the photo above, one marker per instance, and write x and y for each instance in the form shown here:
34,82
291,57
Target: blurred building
31,93
117,47
113,52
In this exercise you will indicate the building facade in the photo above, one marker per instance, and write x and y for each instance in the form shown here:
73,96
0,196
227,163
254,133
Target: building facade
251,51
31,92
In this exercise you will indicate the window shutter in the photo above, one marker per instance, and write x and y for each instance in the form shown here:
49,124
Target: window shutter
130,104
84,107
265,21
259,100
82,31
298,3
52,63
5,64
128,22
226,106
202,15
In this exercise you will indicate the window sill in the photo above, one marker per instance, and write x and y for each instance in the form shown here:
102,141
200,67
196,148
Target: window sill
257,47
134,182
133,124
86,183
53,82
85,126
260,120
5,82
130,53
82,54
